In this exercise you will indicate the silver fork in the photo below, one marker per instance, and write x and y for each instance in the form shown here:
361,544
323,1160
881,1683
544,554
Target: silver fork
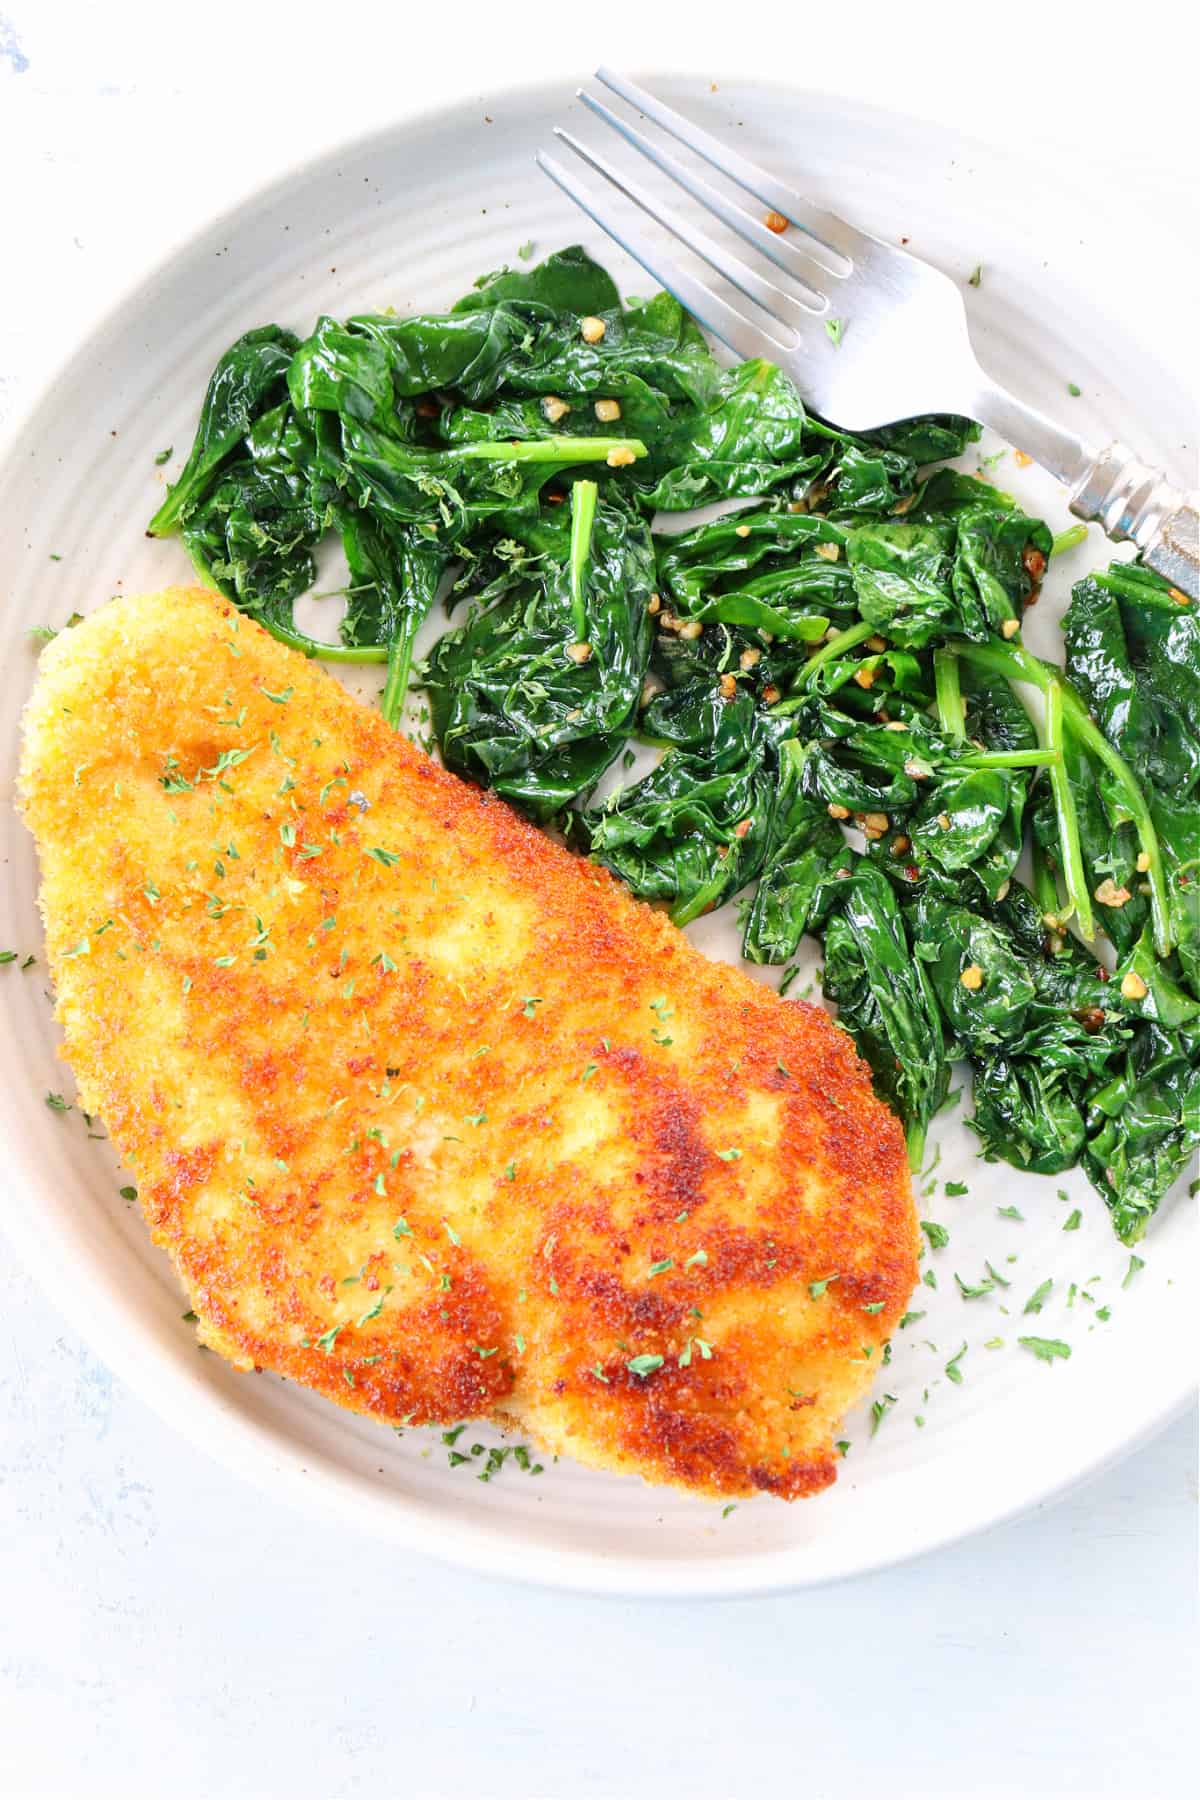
869,334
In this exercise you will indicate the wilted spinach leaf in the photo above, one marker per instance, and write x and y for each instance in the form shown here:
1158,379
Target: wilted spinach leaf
884,998
694,830
536,694
247,381
1145,1126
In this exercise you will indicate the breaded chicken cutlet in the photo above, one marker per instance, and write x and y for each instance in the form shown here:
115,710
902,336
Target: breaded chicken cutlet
429,1113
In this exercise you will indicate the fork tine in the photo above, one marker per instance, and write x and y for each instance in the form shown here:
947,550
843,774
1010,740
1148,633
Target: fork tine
784,254
773,301
716,315
838,240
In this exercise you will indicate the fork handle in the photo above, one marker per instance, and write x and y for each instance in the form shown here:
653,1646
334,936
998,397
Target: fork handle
1136,503
1132,501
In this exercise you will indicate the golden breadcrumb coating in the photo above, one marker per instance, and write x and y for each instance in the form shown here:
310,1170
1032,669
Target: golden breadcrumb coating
430,1114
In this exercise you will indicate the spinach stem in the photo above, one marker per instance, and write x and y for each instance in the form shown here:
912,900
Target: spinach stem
844,640
915,1140
296,640
1012,759
338,653
1045,888
554,449
700,902
1067,540
1074,874
1020,665
951,712
583,516
391,701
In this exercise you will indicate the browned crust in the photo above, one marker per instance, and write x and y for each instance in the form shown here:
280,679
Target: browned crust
301,1054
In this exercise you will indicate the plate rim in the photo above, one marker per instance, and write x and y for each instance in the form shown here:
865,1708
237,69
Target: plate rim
251,1449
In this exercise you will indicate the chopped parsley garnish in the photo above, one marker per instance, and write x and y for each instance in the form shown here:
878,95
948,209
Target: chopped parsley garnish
879,1410
389,858
956,1189
57,1104
660,1268
641,1366
1074,1222
974,1290
1039,1296
910,1318
328,1339
952,1369
1046,1349
817,1288
833,331
1011,1212
730,1155
1136,1263
937,1234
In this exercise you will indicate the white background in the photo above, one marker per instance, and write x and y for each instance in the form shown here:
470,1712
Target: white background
163,1629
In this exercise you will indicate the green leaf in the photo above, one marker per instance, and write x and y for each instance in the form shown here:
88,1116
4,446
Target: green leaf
1039,1296
246,382
1046,1349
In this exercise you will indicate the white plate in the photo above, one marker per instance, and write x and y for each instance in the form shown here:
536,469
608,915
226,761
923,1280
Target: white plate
409,218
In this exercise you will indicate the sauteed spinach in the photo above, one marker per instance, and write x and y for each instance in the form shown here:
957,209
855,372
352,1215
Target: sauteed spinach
855,743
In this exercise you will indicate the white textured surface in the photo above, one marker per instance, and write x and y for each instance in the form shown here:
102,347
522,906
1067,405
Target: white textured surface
261,1654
